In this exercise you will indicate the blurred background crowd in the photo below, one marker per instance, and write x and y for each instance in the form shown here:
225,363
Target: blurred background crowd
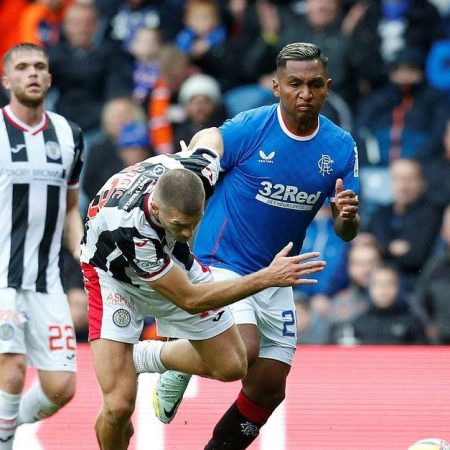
138,76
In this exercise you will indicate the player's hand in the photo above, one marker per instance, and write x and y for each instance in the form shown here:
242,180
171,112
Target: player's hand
346,202
291,270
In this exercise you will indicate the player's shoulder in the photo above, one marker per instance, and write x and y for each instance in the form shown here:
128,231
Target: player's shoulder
60,121
331,129
256,115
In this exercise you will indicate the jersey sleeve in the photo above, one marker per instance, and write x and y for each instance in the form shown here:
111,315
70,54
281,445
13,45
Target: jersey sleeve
205,163
78,158
350,175
147,258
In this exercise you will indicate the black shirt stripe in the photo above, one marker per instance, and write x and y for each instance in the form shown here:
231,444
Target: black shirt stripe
44,247
19,225
17,142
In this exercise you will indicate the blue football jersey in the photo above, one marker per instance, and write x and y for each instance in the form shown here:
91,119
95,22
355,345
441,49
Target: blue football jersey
272,184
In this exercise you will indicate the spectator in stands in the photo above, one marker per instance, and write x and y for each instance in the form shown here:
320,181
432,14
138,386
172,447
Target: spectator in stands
355,63
257,57
104,159
87,75
320,237
406,229
133,144
240,20
437,173
349,303
203,32
202,100
438,67
145,48
311,327
175,68
41,22
405,118
393,25
133,14
432,293
388,320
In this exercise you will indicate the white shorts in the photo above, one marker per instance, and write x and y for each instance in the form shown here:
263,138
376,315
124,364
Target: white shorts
273,312
117,310
40,326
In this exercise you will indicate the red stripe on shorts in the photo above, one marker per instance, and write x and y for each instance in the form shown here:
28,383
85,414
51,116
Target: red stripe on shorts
95,309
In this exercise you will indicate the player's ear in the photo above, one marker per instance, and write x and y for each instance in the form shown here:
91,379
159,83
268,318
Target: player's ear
5,82
154,207
275,87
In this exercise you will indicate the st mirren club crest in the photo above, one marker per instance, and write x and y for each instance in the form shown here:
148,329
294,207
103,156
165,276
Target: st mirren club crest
121,318
6,332
52,149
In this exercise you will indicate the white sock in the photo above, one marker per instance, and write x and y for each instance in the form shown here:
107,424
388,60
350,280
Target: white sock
35,405
147,357
9,410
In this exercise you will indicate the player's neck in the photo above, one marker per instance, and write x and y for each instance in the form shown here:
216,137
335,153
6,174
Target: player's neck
27,114
304,128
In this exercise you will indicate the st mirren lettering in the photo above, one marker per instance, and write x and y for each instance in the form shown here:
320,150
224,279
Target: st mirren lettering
286,196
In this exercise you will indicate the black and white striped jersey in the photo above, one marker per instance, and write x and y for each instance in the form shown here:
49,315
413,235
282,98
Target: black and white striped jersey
122,238
37,166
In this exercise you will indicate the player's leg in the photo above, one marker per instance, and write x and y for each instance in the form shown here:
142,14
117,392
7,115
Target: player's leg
12,362
12,377
115,325
172,384
263,390
51,347
221,357
265,383
113,363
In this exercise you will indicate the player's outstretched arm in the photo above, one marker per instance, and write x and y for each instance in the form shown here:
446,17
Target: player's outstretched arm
194,298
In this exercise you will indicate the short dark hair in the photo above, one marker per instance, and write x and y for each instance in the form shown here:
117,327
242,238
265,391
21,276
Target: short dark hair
182,190
19,47
300,51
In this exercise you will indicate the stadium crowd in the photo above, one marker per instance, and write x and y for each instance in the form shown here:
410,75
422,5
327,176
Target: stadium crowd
138,76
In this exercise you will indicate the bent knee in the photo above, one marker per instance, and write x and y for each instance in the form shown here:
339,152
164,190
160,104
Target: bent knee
61,390
233,370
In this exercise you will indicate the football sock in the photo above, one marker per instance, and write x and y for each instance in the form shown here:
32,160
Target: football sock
147,357
35,405
239,426
9,410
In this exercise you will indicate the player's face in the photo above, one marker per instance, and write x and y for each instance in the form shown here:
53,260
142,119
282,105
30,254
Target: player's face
27,77
178,225
302,87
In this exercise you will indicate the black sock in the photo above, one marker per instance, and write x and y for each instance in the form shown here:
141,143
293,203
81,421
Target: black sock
233,432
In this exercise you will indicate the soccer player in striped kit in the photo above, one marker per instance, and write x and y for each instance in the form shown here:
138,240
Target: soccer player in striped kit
40,164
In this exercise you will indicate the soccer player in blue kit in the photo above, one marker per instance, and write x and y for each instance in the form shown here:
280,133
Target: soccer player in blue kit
279,164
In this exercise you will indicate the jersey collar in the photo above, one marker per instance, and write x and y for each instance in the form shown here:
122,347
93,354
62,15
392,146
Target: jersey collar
151,219
293,135
22,126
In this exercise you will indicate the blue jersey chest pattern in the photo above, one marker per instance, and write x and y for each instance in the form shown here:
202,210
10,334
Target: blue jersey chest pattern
272,185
